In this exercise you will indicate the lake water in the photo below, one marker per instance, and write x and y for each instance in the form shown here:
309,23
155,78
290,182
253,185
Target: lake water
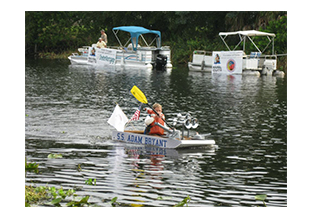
66,112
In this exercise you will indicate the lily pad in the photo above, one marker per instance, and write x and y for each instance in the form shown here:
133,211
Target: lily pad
54,156
260,197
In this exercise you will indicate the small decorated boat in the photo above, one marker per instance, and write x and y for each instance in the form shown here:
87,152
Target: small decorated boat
137,137
173,138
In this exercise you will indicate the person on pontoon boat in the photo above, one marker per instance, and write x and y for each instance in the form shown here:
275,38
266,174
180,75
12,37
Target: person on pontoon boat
104,36
101,43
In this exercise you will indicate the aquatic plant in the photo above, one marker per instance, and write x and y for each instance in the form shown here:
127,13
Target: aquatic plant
41,194
55,156
35,195
114,202
90,182
183,202
81,203
31,166
261,198
60,194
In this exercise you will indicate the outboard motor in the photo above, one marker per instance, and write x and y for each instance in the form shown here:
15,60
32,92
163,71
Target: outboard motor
161,61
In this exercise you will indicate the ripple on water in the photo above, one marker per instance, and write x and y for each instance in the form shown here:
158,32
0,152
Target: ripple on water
67,109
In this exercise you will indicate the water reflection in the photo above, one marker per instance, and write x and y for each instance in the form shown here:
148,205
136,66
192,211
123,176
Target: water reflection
67,109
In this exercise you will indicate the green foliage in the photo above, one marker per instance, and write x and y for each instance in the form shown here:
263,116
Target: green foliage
81,203
35,195
53,32
55,156
261,198
183,50
113,202
42,193
90,182
58,197
183,202
56,201
279,27
60,194
31,166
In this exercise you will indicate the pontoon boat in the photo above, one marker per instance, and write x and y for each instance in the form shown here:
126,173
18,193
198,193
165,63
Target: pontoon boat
237,61
129,54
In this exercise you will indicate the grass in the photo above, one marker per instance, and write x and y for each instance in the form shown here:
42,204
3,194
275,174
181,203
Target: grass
35,195
53,55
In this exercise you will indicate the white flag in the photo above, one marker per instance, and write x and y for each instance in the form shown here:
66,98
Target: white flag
118,119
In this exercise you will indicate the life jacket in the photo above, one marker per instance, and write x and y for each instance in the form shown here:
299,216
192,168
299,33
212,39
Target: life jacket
154,129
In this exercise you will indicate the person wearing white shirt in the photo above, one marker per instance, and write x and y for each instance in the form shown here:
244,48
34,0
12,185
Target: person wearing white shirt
101,44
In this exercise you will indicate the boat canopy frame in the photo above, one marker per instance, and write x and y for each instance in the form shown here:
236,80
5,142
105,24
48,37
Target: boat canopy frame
135,33
243,35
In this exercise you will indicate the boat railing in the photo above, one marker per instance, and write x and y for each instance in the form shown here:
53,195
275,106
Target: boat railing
252,55
202,52
147,48
129,49
271,57
115,47
84,51
165,47
257,60
258,55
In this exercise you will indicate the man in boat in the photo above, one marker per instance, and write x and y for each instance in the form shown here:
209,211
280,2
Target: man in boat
101,43
104,36
150,121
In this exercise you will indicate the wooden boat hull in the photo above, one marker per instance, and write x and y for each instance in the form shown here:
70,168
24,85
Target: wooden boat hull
136,137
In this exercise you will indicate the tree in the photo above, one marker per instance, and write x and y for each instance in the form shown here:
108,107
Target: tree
279,27
184,31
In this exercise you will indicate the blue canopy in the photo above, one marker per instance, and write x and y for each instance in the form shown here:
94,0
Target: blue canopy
136,31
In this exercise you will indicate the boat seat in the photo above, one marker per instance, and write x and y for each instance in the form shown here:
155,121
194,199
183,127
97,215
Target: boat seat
135,131
255,54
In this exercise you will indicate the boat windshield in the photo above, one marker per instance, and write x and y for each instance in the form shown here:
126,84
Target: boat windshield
135,32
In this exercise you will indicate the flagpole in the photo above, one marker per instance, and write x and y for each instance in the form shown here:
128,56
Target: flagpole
127,123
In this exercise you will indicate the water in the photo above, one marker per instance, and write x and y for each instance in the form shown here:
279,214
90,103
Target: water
67,109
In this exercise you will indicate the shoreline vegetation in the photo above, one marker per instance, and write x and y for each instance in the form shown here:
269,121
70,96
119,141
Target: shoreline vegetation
58,34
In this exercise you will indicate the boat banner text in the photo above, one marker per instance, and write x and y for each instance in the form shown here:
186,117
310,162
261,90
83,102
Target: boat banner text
106,56
229,62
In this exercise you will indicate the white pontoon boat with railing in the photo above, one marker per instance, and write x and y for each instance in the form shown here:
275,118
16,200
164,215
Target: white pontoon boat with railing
237,61
129,54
